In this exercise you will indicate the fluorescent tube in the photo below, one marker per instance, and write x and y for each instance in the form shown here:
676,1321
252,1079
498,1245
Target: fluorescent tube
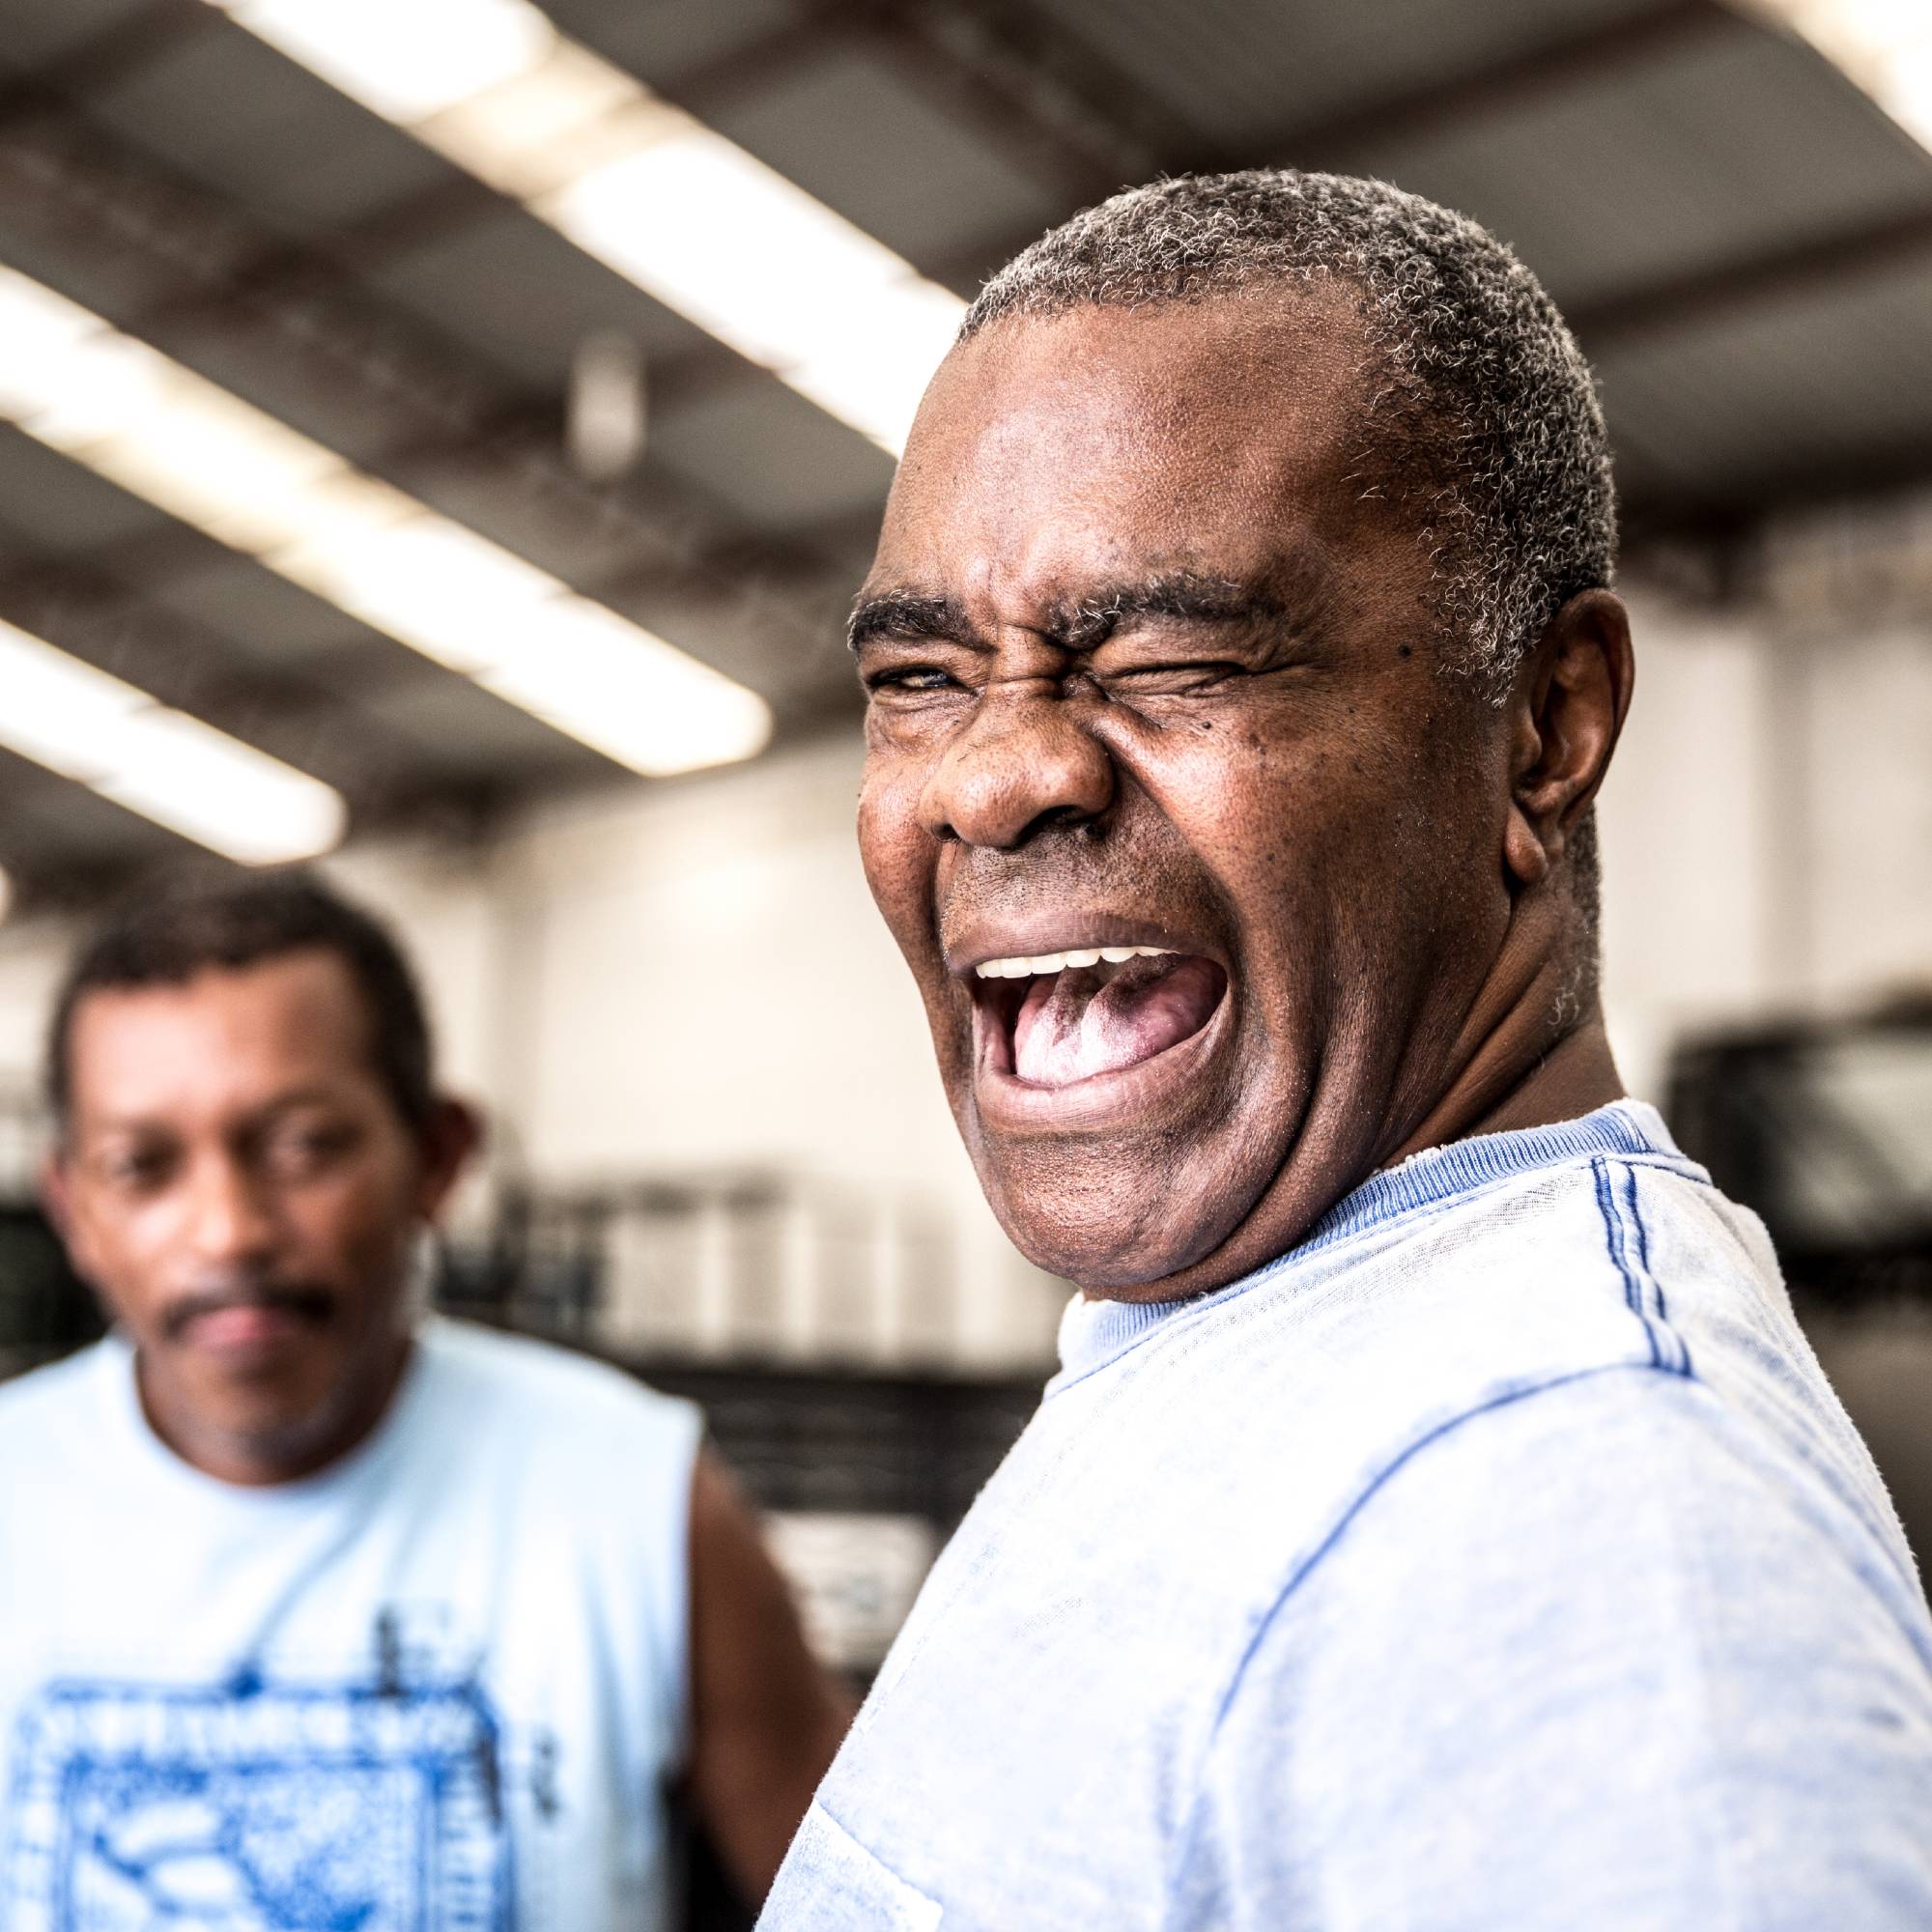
176,770
133,416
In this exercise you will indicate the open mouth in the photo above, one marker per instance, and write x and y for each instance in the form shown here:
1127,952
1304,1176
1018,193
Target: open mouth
1054,1020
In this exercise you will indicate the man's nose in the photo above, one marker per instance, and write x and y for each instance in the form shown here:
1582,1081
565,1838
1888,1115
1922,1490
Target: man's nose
230,1219
1024,762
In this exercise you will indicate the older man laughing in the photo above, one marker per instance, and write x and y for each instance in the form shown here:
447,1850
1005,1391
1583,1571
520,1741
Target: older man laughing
1439,1521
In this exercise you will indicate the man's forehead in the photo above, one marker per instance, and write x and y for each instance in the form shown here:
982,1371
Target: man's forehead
129,1047
1249,358
1066,453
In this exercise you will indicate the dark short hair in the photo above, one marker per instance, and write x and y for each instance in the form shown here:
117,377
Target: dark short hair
166,933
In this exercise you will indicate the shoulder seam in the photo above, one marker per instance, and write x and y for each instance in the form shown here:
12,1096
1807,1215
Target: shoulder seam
1627,1241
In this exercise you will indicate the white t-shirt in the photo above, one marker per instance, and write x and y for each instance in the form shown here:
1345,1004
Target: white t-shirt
436,1688
1495,1560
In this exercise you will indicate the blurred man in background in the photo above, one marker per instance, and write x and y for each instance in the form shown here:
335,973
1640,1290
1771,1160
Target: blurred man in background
318,1610
1439,1521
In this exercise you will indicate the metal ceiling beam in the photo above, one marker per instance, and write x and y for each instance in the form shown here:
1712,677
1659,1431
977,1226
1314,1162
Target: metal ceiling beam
330,726
1884,468
1509,83
1061,100
1587,57
117,52
1784,273
772,56
158,553
268,266
420,217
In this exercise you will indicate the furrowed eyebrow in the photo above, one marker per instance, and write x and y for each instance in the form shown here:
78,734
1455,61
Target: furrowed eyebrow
1185,597
903,614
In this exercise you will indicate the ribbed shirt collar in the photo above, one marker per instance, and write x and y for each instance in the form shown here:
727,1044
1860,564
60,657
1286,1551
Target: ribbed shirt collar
1092,1333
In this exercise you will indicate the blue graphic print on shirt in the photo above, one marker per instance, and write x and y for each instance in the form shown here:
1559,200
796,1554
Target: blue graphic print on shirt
256,1806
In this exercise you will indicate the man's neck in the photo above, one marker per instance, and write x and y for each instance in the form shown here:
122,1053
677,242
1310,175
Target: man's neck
1573,1076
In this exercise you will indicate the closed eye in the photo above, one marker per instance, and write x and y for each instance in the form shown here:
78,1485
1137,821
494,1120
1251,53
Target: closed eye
1176,677
911,677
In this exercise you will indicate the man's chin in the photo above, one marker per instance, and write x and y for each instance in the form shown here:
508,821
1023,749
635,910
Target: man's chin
275,1422
1126,1235
253,1419
1134,1208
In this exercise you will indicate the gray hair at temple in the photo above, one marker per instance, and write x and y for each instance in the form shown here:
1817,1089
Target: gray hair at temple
1484,421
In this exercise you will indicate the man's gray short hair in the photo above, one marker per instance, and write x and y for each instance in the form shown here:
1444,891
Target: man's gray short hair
1484,420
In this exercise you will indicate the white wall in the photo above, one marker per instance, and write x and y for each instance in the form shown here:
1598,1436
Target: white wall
1767,826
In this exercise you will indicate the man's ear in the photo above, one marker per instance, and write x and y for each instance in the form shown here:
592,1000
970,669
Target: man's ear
1566,705
54,1183
450,1140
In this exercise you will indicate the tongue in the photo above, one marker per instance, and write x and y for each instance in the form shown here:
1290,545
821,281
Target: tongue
1076,1025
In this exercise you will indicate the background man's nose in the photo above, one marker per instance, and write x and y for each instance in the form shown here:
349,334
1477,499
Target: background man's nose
1022,764
229,1218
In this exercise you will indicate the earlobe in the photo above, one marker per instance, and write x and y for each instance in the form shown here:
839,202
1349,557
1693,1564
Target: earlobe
56,1196
1524,853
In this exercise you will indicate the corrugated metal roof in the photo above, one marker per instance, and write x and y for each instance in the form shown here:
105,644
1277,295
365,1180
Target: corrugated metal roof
1734,145
1243,69
864,137
1741,407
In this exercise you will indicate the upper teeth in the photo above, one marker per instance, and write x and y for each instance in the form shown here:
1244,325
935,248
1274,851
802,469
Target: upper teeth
1054,962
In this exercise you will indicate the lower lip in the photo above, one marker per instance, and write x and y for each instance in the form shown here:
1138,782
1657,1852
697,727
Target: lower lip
1007,1104
245,1331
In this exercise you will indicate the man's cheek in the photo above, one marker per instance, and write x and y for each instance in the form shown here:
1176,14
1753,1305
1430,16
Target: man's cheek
898,860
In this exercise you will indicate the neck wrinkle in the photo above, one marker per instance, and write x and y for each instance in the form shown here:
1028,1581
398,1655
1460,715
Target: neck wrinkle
1544,1057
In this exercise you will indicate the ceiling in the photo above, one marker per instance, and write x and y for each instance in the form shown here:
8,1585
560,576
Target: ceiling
1740,239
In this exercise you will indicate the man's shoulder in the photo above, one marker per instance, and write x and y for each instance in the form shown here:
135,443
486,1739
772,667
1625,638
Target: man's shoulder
1596,1615
1609,1437
1624,1527
1601,1485
1626,1318
1387,1338
1611,1301
1604,1261
523,1383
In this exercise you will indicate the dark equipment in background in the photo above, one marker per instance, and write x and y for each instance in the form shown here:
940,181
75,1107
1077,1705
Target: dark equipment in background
46,1310
1825,1129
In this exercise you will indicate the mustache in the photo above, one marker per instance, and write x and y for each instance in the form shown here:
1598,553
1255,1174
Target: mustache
302,1299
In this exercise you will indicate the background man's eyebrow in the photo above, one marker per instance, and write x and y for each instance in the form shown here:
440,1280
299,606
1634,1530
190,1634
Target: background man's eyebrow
316,1093
903,614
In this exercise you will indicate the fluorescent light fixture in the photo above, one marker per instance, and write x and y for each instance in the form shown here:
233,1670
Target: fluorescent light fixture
1883,46
406,62
671,206
117,740
133,416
